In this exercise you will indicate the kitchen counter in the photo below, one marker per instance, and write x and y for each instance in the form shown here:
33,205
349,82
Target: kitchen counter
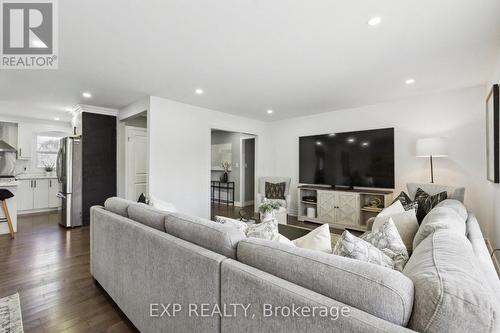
9,184
35,176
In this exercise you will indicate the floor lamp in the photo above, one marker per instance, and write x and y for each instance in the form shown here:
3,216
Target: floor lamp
431,147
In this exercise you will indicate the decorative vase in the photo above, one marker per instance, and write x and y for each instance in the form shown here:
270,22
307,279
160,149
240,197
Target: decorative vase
225,177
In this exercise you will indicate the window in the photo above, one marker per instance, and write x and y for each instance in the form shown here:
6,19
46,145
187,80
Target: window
47,148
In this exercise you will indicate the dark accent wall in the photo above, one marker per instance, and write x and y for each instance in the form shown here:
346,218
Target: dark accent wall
99,161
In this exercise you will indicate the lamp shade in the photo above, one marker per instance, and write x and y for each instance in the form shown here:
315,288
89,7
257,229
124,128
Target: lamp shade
435,147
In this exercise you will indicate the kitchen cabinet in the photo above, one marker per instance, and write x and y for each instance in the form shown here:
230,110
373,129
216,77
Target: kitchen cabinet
24,140
25,194
38,194
54,188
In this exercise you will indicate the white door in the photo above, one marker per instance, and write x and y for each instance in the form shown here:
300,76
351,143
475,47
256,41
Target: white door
41,194
326,206
136,162
25,195
54,201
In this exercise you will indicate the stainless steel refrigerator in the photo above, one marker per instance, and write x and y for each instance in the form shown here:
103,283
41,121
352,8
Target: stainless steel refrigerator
69,174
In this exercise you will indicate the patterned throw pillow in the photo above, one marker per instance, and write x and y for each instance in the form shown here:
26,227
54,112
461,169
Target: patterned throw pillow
407,203
426,202
265,230
275,190
388,240
232,222
353,247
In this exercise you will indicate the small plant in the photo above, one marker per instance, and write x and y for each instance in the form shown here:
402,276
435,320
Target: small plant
268,206
49,167
226,166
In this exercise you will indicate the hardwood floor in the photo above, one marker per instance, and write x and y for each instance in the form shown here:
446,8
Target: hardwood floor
49,267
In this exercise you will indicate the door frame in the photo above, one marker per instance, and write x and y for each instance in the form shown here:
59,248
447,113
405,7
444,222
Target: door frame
243,199
128,167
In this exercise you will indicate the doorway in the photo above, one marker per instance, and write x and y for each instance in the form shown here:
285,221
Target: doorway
232,173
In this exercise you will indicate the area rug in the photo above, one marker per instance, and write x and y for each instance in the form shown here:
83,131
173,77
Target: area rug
10,315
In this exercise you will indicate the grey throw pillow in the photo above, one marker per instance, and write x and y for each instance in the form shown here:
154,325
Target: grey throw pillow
275,190
353,247
388,240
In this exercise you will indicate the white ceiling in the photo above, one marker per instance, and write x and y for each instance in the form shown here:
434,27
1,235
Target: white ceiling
296,57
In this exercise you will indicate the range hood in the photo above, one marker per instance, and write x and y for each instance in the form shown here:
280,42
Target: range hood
5,147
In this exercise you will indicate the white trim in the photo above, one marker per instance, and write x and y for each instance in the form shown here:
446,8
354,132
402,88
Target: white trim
35,211
79,108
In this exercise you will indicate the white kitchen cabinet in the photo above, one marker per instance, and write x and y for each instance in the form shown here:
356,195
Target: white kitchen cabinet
24,140
40,193
25,195
54,188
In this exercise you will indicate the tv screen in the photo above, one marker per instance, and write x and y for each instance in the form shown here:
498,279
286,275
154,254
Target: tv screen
362,159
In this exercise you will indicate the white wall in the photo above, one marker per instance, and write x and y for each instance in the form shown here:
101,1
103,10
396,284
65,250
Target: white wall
458,116
495,79
180,151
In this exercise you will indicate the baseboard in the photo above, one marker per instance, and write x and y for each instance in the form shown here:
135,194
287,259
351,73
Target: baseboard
37,211
494,256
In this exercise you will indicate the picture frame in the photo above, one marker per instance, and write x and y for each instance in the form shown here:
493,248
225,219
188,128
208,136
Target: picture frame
492,135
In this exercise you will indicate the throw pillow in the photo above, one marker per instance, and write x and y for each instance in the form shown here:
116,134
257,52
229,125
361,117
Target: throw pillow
232,222
350,246
426,202
265,230
395,208
275,190
405,200
319,239
388,240
405,222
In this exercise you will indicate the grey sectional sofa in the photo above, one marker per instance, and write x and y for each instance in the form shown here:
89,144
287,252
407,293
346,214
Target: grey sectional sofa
178,273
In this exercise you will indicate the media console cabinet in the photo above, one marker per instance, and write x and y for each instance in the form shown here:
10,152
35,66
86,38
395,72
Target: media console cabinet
341,208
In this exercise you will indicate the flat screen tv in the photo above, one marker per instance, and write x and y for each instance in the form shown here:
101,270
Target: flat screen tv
352,159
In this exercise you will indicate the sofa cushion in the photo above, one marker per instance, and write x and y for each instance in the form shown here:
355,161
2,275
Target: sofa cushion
456,193
217,237
117,205
439,218
382,292
451,294
456,205
147,215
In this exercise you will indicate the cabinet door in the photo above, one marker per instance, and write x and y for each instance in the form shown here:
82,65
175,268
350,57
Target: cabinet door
25,195
54,188
347,208
41,194
326,206
24,140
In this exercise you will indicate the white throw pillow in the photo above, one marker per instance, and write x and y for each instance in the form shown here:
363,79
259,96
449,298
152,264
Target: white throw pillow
406,222
388,240
232,222
350,246
319,239
395,208
265,230
162,205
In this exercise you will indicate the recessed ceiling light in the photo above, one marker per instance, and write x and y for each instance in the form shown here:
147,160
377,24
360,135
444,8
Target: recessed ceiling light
319,143
351,140
199,91
69,109
87,95
374,21
57,119
365,144
410,81
332,134
270,111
